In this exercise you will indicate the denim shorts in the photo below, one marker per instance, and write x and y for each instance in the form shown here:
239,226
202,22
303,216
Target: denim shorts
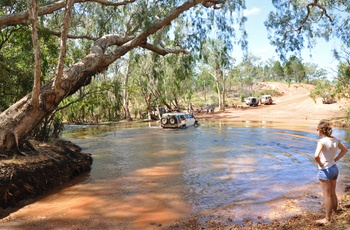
328,174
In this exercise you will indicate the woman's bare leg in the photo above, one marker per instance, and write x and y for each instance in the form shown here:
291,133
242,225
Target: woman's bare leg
327,193
334,195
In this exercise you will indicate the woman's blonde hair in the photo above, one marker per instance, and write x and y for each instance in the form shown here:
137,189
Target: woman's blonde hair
325,128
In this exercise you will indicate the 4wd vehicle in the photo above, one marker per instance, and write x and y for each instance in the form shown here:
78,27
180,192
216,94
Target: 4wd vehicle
266,100
154,113
252,101
177,120
327,98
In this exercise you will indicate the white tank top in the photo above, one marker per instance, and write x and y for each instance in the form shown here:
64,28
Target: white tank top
329,151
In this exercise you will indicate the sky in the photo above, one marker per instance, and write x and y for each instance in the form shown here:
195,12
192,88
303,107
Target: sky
257,12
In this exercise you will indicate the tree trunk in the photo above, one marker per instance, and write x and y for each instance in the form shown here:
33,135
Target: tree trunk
17,121
223,94
149,108
219,94
21,118
33,18
223,90
125,93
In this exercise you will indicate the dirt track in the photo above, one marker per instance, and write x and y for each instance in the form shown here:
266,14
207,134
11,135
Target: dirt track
294,104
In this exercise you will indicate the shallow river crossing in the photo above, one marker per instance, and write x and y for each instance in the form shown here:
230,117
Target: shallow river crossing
144,177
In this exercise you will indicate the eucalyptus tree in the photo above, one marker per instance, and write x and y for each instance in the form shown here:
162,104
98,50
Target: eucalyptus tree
295,24
217,62
148,71
101,100
233,83
151,79
338,87
122,77
266,72
163,81
143,78
277,71
314,73
204,82
343,78
248,72
16,62
126,24
178,81
295,70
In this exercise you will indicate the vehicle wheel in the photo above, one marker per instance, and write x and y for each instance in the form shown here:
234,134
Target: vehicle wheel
172,121
164,121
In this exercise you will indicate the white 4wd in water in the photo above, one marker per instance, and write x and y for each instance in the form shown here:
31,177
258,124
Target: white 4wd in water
177,120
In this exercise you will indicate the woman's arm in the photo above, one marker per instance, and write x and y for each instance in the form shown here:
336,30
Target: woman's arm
343,150
317,153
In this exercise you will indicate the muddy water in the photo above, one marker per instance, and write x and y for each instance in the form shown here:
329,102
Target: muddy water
144,177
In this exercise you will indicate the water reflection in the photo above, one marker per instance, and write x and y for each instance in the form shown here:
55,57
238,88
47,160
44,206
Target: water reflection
217,165
143,176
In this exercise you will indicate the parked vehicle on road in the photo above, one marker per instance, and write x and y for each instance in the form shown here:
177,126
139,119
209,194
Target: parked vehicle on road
252,101
327,98
266,100
177,120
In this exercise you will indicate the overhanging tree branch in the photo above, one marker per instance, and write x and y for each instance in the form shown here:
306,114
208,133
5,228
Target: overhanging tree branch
22,17
21,118
308,7
58,34
163,51
33,18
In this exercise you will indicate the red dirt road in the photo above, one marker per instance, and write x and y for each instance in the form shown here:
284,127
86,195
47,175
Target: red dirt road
295,105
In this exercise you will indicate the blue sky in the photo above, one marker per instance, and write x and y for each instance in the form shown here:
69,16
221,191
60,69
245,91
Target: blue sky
257,12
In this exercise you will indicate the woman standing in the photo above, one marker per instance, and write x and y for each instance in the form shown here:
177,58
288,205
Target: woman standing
326,157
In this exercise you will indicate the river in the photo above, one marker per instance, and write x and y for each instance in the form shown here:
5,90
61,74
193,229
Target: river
144,177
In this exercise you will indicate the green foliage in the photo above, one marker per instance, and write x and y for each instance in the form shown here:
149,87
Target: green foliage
348,116
277,71
295,70
288,33
100,101
50,127
324,89
17,60
171,80
343,80
242,97
271,92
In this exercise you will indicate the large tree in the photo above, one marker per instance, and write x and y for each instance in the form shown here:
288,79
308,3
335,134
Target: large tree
115,28
295,25
215,63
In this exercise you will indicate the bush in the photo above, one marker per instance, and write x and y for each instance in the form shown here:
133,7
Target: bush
242,98
271,92
348,116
